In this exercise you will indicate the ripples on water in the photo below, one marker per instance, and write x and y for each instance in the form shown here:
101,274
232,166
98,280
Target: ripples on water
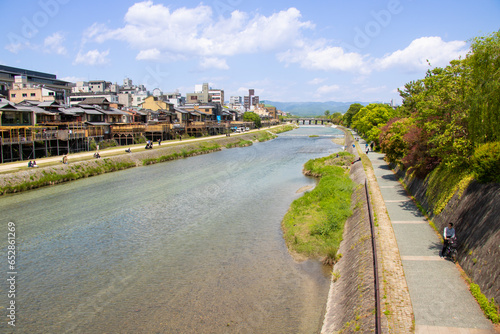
189,246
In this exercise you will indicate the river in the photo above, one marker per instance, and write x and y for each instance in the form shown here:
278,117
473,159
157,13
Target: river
188,246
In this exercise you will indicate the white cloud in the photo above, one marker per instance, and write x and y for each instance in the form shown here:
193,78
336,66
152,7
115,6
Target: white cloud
149,54
319,56
414,57
53,44
92,58
196,32
214,63
316,81
17,45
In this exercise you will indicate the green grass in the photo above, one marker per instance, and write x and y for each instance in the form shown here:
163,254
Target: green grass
104,166
489,307
240,143
202,148
315,222
265,136
283,128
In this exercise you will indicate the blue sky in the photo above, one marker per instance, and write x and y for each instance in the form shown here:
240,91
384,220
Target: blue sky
287,51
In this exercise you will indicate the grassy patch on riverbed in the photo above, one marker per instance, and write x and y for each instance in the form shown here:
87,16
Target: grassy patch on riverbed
74,173
201,149
284,128
315,222
241,143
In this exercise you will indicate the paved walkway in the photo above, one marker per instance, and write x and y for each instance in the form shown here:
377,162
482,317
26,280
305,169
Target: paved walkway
441,299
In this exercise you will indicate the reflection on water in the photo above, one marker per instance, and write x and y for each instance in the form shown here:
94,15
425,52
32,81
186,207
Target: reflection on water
189,246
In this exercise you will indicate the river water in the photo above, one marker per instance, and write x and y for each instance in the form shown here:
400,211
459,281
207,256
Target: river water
188,246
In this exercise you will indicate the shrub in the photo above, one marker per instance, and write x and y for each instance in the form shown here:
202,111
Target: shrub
486,163
489,307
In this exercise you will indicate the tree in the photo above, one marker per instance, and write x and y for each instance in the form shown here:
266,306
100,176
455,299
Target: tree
327,113
336,117
369,119
484,62
353,110
252,117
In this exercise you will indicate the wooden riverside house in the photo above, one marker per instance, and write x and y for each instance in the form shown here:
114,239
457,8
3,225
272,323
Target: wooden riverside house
34,129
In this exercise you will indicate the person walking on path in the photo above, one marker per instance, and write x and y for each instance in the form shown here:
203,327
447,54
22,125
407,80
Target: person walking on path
449,233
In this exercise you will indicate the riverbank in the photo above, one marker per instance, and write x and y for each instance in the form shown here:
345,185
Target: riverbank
52,171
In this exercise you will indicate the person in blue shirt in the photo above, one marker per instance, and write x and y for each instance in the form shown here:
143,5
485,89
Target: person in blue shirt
449,233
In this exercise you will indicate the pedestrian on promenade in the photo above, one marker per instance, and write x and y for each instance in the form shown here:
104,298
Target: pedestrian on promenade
449,233
159,142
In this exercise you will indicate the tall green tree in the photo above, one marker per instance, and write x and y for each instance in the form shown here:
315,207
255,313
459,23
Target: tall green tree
484,63
353,110
371,118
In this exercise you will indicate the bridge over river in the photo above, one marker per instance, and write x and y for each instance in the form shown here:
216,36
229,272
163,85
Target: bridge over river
309,120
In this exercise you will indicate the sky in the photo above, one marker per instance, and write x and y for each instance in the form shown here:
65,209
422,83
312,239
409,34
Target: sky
288,51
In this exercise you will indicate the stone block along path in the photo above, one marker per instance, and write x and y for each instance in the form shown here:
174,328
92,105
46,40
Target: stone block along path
441,300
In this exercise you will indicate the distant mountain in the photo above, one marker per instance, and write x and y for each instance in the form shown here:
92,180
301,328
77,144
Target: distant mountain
312,108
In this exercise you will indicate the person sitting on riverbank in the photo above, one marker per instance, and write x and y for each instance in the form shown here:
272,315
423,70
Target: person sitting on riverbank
30,164
34,164
128,150
65,160
97,155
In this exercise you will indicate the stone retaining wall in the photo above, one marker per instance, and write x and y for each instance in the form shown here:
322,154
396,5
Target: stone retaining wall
351,300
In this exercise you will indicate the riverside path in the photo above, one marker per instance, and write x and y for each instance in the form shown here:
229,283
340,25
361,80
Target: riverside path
439,295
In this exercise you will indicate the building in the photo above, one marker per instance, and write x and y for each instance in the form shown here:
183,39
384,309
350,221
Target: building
235,100
16,79
156,103
175,98
77,98
11,115
205,94
200,94
216,96
34,93
272,112
251,100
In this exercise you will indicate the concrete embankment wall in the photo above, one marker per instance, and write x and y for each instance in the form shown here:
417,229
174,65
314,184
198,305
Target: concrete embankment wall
351,300
45,176
476,216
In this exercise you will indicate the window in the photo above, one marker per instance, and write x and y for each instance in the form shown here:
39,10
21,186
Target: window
32,94
25,95
12,95
51,93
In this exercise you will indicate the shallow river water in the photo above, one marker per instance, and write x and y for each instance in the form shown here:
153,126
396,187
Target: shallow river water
188,246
